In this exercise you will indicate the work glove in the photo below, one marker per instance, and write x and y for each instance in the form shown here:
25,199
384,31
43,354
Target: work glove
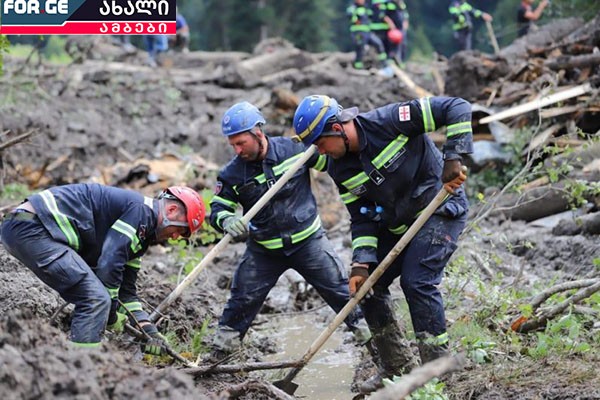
453,175
358,276
156,345
235,227
116,322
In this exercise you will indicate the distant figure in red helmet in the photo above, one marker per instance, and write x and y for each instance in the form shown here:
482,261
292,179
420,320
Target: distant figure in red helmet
85,241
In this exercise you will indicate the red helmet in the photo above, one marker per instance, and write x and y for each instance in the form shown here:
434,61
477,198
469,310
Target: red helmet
194,205
395,36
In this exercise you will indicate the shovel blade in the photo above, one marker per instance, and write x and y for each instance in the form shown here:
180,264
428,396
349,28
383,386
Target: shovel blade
286,385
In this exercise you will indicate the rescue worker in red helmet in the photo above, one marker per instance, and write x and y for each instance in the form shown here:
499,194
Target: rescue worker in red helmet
85,241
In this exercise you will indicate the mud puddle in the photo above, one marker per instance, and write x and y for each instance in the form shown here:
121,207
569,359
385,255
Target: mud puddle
329,374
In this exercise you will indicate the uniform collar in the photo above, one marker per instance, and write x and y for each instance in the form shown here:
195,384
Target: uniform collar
360,133
270,157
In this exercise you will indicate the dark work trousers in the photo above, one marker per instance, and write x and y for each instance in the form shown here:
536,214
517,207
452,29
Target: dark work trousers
420,268
361,39
61,268
259,271
463,37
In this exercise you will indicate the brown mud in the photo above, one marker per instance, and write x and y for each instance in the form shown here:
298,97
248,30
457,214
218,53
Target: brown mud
86,114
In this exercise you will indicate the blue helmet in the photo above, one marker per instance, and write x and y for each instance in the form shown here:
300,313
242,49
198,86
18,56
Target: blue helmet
241,117
311,116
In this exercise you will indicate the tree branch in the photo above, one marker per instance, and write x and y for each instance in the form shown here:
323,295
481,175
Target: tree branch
540,320
420,376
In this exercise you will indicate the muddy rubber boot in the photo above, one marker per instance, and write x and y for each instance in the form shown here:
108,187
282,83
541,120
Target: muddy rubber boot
394,356
225,342
430,347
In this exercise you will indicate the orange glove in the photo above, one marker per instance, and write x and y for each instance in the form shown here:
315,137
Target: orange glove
453,175
358,276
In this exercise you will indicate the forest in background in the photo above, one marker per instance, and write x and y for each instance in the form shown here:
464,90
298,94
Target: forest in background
322,25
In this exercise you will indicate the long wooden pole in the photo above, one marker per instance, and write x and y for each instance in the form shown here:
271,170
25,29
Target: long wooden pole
539,103
227,238
284,384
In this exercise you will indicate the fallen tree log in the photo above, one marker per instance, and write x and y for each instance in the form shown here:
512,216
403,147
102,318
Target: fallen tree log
568,62
237,368
588,224
419,377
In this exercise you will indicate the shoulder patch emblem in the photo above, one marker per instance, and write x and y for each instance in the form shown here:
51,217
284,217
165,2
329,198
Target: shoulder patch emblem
404,113
141,233
218,187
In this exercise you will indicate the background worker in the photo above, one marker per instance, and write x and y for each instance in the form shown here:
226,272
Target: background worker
382,22
181,40
463,14
360,29
388,170
85,241
396,11
526,16
286,233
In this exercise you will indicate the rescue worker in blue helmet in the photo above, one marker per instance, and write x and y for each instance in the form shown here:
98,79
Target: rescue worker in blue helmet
387,170
286,233
86,241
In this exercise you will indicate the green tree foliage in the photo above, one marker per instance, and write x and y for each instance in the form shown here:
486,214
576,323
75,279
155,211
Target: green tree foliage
4,43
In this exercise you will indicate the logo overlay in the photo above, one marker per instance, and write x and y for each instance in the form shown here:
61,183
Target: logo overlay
87,17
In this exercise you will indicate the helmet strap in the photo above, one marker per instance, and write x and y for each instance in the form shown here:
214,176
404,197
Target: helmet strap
261,146
166,222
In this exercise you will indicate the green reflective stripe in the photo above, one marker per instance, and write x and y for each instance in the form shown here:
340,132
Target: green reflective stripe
113,293
279,169
130,232
271,244
86,345
477,13
235,189
228,203
261,179
297,237
132,306
317,119
364,241
136,263
428,121
285,165
61,219
221,215
359,28
436,340
379,26
300,236
390,151
465,7
321,163
348,198
458,129
355,181
399,230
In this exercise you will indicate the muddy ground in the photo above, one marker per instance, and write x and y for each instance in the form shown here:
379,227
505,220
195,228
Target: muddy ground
85,114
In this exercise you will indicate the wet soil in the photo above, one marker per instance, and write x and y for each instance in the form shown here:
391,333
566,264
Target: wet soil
87,115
